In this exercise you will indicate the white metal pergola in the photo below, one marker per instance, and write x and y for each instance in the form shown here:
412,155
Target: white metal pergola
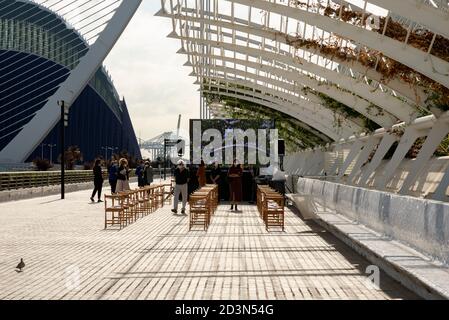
256,50
245,49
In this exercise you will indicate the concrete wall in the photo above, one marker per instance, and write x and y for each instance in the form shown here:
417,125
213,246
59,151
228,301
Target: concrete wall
422,224
311,164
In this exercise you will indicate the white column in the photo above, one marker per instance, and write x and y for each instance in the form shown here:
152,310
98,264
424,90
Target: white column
407,141
382,150
355,150
440,192
437,134
339,154
364,156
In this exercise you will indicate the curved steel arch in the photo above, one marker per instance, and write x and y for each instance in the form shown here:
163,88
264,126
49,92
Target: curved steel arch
19,149
348,127
360,105
313,122
431,66
300,102
416,95
312,105
390,104
219,112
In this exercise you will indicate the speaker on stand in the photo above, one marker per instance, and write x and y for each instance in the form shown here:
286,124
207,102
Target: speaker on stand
281,153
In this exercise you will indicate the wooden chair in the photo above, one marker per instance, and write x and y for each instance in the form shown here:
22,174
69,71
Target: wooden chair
130,206
199,211
158,196
114,211
274,212
271,206
144,204
169,190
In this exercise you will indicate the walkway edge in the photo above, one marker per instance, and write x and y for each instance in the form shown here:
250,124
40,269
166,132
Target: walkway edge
404,264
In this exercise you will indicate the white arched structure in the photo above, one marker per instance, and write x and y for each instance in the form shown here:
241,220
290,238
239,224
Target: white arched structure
256,50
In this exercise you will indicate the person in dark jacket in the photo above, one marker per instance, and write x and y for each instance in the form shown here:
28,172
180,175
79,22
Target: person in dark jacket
113,173
139,174
235,184
98,181
148,175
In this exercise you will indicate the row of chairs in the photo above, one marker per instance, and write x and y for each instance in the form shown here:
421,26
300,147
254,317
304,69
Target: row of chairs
271,206
125,208
203,205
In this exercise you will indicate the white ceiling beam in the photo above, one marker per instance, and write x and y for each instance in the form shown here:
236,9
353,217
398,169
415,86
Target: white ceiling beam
434,19
389,103
432,67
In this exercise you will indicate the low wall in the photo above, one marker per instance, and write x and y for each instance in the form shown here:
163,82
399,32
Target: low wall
422,224
30,193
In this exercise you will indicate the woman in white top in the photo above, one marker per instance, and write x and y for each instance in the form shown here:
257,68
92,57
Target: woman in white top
123,176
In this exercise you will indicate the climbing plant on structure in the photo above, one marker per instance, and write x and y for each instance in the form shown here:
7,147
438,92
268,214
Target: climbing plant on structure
291,130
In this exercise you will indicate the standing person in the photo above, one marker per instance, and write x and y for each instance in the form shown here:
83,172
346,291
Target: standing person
235,184
193,180
113,173
253,172
98,181
139,174
148,175
215,176
123,176
182,180
201,174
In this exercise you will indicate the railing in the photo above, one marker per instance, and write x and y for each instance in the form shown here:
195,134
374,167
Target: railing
25,180
30,179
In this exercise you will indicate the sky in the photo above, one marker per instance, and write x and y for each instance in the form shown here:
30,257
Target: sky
150,75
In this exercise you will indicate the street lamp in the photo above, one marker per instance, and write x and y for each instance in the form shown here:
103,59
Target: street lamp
42,151
64,122
105,152
112,150
51,146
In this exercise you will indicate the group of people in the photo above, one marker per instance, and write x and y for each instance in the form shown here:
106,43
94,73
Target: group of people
119,174
182,177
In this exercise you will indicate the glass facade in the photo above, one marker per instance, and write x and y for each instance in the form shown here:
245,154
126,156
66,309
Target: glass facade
37,52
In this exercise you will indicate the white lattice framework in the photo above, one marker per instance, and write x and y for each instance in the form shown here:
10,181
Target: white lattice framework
242,49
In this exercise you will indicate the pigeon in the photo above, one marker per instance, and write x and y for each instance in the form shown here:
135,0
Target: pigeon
21,265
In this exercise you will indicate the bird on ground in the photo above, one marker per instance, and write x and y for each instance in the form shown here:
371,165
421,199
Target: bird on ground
21,265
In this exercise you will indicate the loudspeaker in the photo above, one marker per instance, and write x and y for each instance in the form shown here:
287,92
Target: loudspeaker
281,147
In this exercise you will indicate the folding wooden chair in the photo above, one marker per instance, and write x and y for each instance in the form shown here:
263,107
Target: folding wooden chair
114,211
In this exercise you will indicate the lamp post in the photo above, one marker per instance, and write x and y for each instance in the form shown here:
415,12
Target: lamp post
105,152
112,150
51,146
42,151
64,122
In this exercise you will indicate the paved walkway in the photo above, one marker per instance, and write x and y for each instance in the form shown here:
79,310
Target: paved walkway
69,256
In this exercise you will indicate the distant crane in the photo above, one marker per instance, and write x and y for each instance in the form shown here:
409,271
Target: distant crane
179,126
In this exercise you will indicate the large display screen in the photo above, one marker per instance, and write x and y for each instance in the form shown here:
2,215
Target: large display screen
251,142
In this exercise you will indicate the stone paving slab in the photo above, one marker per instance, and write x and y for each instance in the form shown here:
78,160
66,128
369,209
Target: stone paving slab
416,271
69,256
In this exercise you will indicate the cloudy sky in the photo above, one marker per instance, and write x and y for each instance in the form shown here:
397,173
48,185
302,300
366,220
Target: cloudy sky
150,75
